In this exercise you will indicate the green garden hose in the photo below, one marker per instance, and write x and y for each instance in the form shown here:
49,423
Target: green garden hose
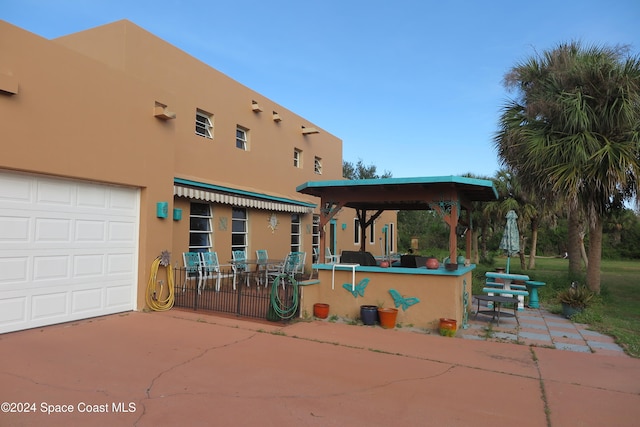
278,306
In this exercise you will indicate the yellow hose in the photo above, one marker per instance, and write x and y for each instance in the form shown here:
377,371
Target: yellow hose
154,297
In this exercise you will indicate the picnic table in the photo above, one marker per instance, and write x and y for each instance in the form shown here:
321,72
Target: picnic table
506,280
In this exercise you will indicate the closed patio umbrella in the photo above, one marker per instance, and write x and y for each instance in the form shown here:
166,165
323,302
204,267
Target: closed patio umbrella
510,242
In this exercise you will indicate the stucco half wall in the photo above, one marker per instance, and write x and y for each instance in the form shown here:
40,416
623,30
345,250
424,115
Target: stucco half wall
440,293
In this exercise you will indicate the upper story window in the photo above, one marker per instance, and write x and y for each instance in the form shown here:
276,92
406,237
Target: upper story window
241,138
297,158
317,165
204,126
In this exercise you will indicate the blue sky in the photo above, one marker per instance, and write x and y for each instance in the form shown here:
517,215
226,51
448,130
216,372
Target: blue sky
413,87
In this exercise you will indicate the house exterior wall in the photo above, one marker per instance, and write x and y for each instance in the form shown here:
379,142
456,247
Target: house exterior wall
84,110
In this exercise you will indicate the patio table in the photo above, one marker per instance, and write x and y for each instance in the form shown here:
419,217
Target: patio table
498,301
507,280
258,264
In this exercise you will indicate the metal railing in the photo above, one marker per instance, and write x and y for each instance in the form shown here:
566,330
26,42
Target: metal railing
251,298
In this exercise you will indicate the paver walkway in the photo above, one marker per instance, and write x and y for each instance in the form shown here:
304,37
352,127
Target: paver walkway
540,328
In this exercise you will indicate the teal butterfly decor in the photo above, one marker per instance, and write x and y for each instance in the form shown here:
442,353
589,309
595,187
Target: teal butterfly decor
359,288
399,300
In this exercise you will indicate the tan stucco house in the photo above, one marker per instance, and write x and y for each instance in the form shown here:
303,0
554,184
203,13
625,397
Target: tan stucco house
114,144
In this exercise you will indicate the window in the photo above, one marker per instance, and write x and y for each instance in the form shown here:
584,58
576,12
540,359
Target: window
297,158
372,234
241,138
356,231
315,239
204,127
239,229
200,227
391,231
295,232
317,165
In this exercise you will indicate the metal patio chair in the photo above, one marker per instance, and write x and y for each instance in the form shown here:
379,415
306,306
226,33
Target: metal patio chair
240,268
211,268
193,268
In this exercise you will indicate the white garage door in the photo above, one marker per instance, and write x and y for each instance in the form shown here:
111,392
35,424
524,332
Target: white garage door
68,250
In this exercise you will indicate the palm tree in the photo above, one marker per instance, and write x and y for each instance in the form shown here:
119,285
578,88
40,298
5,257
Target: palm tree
574,130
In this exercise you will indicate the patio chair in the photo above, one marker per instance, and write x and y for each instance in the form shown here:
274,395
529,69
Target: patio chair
239,268
299,268
263,256
329,258
193,268
288,267
211,268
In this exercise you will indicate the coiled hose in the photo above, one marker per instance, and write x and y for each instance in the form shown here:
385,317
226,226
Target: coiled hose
154,296
278,306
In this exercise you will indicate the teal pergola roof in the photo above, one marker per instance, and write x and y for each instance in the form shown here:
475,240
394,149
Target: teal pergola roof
400,193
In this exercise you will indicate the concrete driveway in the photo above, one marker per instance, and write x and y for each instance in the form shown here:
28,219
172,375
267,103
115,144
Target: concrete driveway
181,368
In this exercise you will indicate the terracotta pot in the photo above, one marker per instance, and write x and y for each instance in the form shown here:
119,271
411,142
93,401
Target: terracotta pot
321,310
432,263
369,314
448,327
388,317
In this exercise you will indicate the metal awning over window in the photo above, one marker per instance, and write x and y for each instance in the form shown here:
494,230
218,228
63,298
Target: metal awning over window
236,197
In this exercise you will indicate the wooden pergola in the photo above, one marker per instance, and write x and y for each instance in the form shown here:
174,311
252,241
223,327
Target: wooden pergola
450,196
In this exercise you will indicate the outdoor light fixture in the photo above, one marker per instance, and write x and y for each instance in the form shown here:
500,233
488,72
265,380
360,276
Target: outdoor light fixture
162,209
276,117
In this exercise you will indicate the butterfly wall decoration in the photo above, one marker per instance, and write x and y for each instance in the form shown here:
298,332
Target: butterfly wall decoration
399,300
358,289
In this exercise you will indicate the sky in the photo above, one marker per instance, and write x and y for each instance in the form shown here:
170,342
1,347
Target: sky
413,87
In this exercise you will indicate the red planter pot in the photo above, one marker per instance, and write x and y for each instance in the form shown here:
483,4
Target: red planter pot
321,310
448,327
387,317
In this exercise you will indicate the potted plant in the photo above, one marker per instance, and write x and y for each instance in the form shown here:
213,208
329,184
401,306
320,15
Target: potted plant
575,299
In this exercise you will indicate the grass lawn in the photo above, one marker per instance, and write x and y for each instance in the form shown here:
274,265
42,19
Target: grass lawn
615,312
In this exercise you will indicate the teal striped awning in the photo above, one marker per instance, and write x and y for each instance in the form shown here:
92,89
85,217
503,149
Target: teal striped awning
237,197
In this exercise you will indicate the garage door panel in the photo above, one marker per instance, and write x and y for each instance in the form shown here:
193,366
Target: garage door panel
13,311
14,229
53,192
51,267
68,250
89,265
15,189
91,197
87,300
119,296
91,231
47,306
52,230
13,270
122,200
